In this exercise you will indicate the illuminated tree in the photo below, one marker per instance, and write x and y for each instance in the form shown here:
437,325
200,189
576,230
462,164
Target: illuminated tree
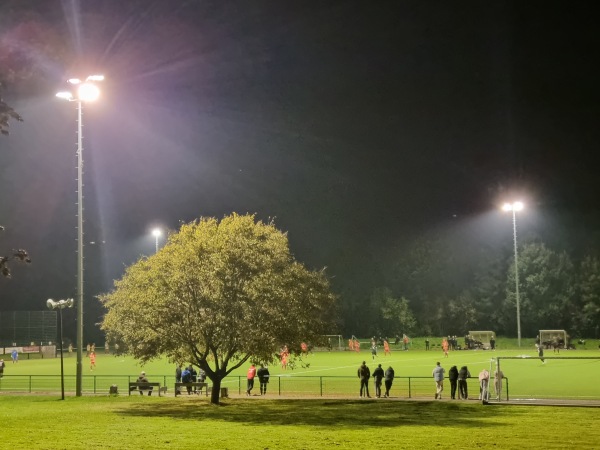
219,294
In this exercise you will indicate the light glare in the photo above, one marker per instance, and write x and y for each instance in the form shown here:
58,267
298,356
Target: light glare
156,232
64,95
88,92
516,206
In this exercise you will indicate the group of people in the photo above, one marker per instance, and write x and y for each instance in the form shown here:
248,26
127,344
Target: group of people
379,376
189,375
458,379
263,378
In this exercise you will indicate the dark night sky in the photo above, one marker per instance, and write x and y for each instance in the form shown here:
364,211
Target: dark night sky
355,124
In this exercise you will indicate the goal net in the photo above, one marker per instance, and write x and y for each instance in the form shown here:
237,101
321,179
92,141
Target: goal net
333,342
529,377
480,339
553,338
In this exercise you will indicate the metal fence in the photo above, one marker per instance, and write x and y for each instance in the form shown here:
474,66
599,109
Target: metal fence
283,385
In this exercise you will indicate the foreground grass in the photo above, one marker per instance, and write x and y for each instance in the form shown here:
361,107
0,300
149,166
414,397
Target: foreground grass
165,423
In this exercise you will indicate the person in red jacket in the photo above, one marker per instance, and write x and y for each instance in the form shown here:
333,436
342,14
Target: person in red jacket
250,377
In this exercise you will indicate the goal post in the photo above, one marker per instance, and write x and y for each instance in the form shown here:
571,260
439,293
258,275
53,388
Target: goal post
482,337
550,338
333,342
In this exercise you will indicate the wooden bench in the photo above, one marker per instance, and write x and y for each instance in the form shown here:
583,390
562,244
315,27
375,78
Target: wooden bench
198,385
133,385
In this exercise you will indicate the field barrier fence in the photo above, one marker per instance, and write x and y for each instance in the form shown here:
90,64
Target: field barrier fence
281,385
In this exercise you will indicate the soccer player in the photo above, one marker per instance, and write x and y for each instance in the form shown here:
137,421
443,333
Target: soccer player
386,348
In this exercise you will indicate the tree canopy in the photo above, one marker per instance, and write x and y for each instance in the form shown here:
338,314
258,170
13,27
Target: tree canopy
220,293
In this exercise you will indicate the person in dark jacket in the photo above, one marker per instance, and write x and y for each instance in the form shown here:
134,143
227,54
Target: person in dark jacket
389,379
364,374
378,377
263,378
453,377
186,377
463,374
178,372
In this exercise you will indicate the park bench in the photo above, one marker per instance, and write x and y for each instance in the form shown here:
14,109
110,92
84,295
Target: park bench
198,385
133,385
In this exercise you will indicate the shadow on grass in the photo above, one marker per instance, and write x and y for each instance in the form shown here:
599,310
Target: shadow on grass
342,413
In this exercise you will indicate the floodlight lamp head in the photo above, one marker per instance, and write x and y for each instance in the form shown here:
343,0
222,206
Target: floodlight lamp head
95,78
88,92
156,232
51,304
69,302
74,81
518,206
65,95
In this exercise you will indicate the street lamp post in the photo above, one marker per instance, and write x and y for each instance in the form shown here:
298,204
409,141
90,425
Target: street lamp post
87,91
156,233
60,305
514,207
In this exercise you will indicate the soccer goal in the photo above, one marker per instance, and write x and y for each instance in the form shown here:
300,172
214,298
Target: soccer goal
333,342
553,338
480,339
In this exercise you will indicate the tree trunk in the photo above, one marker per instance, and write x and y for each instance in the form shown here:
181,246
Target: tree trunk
215,391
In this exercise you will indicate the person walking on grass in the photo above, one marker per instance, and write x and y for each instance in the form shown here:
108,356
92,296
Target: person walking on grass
250,379
445,346
92,360
364,374
541,353
378,378
438,376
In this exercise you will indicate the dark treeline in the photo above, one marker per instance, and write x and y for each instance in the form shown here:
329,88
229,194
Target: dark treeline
461,276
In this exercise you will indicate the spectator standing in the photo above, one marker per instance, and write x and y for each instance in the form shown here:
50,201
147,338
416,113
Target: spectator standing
463,374
427,344
2,365
389,379
14,355
378,378
493,343
263,379
106,348
453,377
438,376
194,376
250,379
178,373
484,383
186,377
364,374
498,376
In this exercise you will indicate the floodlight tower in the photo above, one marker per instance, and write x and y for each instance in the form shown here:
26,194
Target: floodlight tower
86,91
60,305
157,232
514,207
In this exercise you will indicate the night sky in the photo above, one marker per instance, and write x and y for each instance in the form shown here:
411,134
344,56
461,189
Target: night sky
354,124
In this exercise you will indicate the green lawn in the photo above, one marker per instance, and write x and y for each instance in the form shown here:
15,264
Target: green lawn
527,377
123,422
41,422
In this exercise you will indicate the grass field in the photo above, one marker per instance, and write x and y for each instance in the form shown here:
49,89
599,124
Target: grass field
273,422
528,377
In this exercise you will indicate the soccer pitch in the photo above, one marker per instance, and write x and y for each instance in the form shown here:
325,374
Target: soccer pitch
527,376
